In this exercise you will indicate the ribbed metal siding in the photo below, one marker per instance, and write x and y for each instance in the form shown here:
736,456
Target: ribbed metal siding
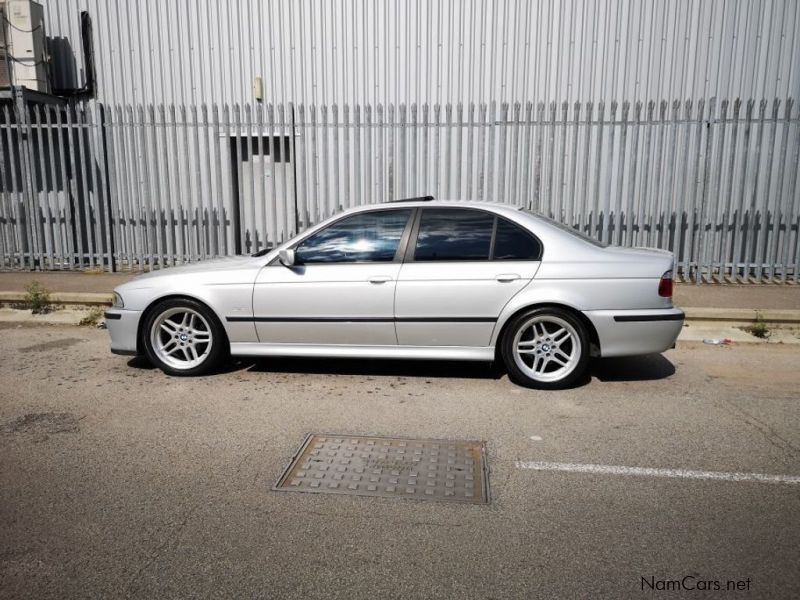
436,51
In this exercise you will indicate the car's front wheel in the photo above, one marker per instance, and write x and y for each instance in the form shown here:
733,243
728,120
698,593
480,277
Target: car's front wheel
546,348
183,337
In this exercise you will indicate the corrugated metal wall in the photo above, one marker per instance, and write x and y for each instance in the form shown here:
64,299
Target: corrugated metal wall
672,124
432,51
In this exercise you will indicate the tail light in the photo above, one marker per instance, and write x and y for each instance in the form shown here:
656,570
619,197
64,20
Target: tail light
665,285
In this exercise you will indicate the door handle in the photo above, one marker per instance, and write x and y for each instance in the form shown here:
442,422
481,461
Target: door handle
379,279
506,277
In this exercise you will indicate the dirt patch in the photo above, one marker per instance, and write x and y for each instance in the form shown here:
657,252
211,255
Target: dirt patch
54,345
47,423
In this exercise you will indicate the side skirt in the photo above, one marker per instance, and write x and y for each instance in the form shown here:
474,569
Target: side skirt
335,351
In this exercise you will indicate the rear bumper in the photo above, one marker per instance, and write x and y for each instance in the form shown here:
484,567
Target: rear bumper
632,332
123,326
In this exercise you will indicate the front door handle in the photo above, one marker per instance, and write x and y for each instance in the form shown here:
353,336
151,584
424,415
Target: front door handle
505,277
380,279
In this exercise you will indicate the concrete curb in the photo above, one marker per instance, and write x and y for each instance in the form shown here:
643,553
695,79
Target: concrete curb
742,316
84,298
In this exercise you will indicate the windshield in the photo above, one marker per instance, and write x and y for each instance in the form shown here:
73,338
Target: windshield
567,229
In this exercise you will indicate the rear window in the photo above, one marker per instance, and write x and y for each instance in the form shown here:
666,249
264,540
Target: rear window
567,229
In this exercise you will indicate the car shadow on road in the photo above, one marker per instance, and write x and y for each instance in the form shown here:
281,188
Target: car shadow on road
383,367
632,368
226,366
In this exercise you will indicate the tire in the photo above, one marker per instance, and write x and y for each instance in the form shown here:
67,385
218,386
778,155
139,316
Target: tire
183,337
556,356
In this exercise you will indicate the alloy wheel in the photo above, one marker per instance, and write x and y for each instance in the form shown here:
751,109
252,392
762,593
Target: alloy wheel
547,348
181,337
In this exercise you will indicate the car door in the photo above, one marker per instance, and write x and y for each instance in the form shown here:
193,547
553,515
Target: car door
461,268
341,289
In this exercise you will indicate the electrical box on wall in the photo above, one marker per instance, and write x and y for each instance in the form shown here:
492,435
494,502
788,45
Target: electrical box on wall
23,48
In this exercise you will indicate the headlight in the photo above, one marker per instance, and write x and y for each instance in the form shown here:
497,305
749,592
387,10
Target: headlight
117,301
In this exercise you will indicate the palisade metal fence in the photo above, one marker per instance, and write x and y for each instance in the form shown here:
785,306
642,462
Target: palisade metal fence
141,187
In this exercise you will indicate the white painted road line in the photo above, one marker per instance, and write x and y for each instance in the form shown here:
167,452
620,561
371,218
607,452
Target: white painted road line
648,472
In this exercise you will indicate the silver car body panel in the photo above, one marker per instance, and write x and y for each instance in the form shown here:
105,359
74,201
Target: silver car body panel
354,351
447,310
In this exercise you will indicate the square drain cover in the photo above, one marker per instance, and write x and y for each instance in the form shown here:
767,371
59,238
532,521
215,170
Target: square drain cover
444,470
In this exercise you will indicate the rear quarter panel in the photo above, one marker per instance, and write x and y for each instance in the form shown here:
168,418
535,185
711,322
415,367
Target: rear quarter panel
586,278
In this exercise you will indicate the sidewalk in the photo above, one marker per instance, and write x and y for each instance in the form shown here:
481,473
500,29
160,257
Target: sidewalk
745,297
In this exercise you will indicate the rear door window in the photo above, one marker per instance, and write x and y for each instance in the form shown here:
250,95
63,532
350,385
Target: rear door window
453,234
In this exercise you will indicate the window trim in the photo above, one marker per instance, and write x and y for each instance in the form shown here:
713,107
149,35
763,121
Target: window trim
412,242
398,255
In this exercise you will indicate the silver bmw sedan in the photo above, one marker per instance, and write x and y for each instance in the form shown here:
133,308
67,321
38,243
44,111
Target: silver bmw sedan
419,279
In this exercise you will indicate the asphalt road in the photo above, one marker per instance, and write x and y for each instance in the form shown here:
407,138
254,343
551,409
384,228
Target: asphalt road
118,481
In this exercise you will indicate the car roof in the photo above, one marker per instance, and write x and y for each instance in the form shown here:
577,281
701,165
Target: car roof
415,203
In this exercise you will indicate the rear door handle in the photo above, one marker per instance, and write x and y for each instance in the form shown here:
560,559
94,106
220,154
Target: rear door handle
505,277
380,279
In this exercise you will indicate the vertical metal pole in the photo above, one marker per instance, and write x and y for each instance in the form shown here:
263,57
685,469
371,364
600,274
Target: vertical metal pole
249,201
199,234
17,186
334,163
768,217
208,140
77,207
90,214
29,180
503,135
584,215
739,228
595,222
357,141
43,198
790,202
629,218
714,257
259,191
101,162
156,186
144,187
437,122
116,177
347,172
729,227
182,241
447,161
163,156
698,249
571,198
749,244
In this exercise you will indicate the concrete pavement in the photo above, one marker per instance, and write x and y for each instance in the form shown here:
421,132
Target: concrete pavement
118,481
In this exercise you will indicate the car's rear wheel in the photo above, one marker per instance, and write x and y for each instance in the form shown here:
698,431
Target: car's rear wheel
546,348
183,337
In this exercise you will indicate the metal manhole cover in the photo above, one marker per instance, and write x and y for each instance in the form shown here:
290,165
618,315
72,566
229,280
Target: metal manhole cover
444,470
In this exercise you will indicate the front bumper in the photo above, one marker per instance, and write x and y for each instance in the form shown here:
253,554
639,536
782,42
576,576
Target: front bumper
123,325
634,332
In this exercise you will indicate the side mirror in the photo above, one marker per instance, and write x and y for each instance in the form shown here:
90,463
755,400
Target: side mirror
286,256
